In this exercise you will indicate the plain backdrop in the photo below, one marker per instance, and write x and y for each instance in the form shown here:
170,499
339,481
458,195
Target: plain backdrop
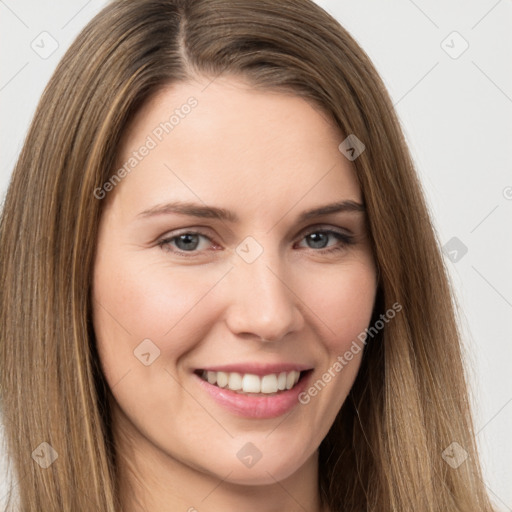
448,68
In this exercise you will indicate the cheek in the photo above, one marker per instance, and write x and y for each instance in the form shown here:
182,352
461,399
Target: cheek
135,301
142,308
342,302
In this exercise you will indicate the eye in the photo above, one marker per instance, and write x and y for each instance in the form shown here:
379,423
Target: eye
189,241
192,243
319,239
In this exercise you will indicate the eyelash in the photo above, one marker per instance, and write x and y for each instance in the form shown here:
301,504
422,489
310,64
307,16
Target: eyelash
345,240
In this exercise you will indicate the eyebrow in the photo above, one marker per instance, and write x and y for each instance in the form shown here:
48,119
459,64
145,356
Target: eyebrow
212,212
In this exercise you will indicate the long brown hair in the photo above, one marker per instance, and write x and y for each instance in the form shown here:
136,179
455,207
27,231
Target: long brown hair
409,402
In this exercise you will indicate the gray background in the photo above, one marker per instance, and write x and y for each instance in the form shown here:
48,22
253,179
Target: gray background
456,112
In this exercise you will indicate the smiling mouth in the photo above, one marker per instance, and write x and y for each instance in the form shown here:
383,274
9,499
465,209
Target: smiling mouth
250,384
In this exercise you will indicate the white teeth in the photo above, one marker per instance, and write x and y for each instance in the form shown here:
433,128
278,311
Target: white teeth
281,381
222,379
250,383
269,384
290,379
235,381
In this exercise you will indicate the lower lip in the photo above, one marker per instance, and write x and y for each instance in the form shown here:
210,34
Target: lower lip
257,407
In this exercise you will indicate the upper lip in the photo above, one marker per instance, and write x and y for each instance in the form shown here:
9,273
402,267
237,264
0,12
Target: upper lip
258,368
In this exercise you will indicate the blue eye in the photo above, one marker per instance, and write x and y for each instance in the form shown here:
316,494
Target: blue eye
185,242
319,239
188,243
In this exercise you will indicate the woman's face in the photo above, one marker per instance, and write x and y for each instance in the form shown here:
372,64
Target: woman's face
208,261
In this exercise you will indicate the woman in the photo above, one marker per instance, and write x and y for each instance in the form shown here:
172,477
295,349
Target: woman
222,289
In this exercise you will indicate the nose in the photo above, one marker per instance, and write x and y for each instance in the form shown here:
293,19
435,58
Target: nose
262,301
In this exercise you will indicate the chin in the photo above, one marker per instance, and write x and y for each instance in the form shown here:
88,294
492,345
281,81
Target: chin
278,467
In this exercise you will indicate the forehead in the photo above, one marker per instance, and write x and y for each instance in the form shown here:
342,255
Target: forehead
223,141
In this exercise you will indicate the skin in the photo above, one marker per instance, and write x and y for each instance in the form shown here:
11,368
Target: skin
267,157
